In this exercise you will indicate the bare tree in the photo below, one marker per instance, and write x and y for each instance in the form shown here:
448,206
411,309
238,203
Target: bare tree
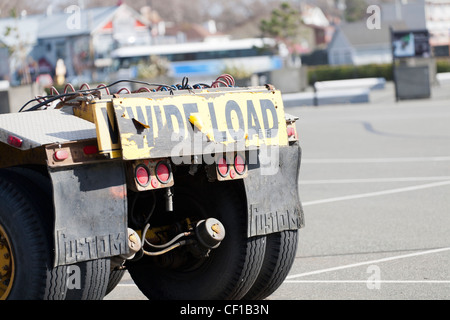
234,13
170,10
228,14
15,8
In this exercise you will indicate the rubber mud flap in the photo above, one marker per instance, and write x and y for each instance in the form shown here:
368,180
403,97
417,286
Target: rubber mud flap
273,199
90,212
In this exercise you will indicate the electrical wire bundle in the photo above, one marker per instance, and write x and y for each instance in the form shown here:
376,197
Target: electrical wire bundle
85,93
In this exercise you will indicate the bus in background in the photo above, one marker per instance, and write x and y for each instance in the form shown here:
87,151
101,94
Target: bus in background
200,60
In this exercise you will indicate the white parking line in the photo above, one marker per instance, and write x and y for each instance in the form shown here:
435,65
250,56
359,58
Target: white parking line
353,265
377,193
370,180
371,281
377,160
126,285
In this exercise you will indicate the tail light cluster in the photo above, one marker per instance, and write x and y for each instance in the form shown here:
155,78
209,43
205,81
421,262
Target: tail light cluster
150,174
231,166
291,132
73,153
290,127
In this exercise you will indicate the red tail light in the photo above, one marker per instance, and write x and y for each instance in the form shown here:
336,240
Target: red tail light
142,175
15,141
163,172
90,150
239,164
61,155
290,131
222,167
154,183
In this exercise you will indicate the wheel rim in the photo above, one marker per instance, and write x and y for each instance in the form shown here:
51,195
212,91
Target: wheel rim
6,265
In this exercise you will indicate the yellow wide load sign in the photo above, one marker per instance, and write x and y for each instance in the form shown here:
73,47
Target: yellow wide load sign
192,123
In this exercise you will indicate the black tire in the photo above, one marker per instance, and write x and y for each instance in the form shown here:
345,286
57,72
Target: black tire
281,248
228,272
114,278
93,275
23,231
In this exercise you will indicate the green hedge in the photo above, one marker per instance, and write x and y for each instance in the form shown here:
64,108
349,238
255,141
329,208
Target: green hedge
442,65
329,72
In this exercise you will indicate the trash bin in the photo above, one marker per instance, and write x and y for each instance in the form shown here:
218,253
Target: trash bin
412,82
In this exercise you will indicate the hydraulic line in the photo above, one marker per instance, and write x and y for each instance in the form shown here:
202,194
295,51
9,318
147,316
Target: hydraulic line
176,245
165,245
162,246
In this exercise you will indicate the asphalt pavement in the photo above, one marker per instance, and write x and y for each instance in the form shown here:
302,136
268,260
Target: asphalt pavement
375,186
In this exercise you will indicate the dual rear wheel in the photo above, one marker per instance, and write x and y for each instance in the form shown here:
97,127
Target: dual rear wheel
240,268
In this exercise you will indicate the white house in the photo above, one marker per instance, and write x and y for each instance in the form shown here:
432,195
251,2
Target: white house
357,44
83,38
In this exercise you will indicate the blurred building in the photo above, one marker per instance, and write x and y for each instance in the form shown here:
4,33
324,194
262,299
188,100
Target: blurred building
4,56
354,44
357,44
437,15
83,38
315,18
18,36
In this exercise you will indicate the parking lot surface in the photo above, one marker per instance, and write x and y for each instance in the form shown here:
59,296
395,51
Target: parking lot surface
375,186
